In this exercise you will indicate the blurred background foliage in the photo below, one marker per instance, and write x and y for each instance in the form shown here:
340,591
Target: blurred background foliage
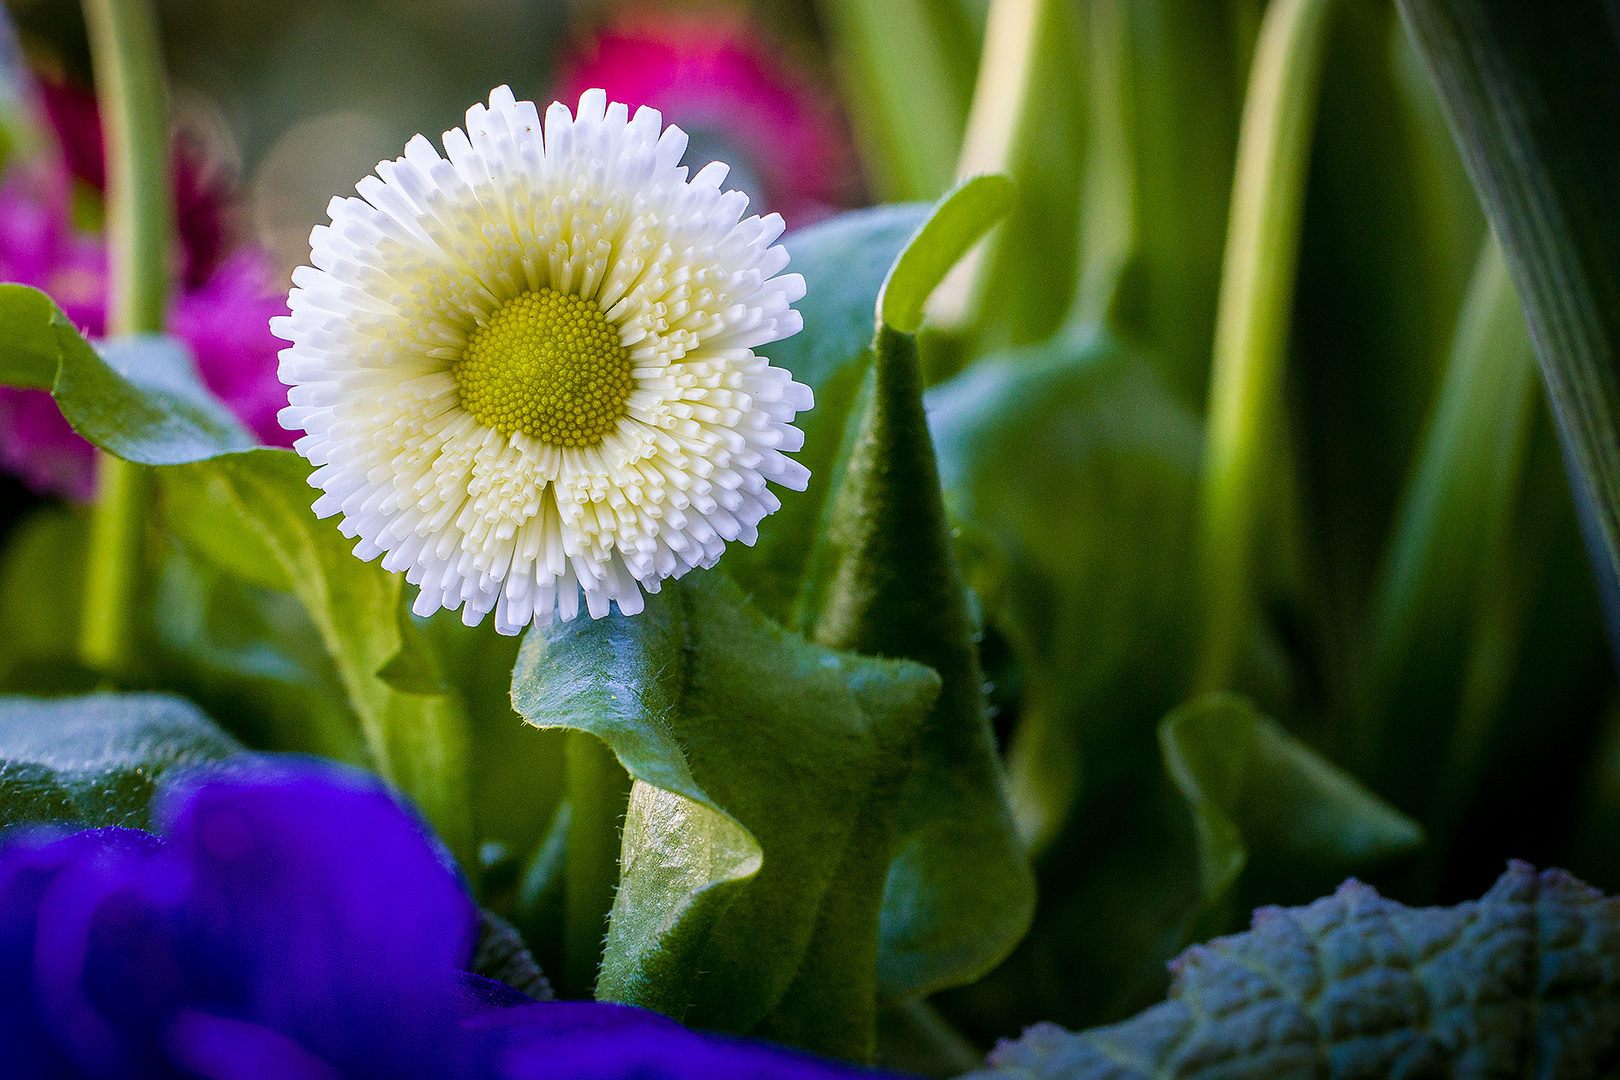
1426,691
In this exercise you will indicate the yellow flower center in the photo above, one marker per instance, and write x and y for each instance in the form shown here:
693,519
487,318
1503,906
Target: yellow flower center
548,364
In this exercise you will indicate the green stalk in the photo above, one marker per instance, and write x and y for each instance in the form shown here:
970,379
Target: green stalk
128,64
597,790
1243,438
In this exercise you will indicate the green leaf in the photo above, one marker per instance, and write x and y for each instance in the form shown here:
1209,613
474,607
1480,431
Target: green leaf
95,761
1261,797
762,815
251,511
844,262
139,398
960,892
252,659
906,67
1524,981
1072,469
959,221
1028,121
1532,92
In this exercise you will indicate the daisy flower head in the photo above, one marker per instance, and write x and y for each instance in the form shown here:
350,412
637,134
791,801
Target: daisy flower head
525,370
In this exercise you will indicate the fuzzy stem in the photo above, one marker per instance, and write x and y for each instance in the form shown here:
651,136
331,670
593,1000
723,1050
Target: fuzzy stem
128,64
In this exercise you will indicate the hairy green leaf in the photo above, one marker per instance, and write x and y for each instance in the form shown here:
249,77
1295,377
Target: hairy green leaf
960,892
1071,467
251,513
138,398
1522,982
761,819
1532,92
844,262
1258,795
95,761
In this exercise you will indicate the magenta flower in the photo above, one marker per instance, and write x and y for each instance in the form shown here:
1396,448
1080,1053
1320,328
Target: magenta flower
738,102
221,309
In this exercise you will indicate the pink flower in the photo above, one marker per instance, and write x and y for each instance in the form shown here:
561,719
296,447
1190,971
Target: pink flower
221,308
738,101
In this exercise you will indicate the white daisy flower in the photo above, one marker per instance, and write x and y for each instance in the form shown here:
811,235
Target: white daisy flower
528,371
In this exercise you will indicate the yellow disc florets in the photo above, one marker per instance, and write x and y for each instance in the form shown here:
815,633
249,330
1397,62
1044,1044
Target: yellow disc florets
548,364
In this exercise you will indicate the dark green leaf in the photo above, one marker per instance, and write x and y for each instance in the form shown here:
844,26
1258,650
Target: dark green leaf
1523,982
95,761
139,398
1260,796
844,262
245,508
1072,468
502,956
757,836
1532,92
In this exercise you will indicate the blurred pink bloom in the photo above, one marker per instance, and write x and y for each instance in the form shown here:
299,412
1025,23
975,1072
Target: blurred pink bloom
739,101
221,309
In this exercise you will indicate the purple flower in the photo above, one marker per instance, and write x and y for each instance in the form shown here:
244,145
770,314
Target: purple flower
222,307
292,921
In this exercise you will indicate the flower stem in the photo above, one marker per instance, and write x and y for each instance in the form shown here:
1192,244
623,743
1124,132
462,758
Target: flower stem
128,65
1243,437
598,789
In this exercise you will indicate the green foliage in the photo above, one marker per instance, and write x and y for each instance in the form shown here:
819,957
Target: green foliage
1265,801
959,221
844,262
1524,981
138,398
1532,93
95,761
250,512
42,571
907,68
758,831
1071,468
960,892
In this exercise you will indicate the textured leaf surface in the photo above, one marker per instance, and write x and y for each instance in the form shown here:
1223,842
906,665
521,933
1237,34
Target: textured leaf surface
250,512
139,398
1523,982
94,761
758,829
844,262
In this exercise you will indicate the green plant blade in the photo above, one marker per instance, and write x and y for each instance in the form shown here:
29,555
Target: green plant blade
1522,981
844,262
138,399
766,770
251,513
1071,468
1258,794
906,69
1532,92
95,761
959,221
